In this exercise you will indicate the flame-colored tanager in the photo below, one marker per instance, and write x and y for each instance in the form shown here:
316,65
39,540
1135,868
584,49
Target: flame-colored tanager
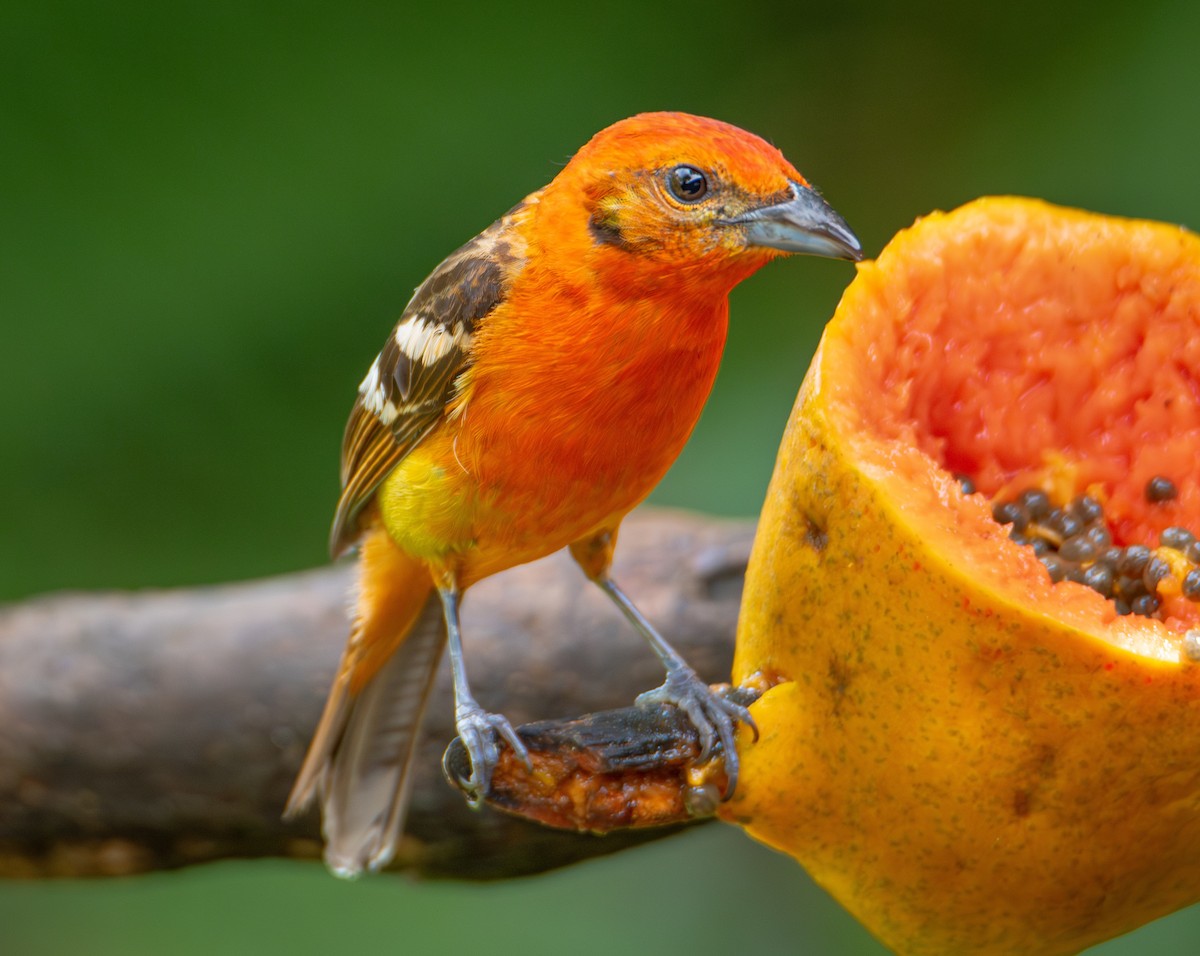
537,386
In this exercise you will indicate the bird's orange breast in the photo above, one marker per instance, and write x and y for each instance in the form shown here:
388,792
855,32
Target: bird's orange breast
564,425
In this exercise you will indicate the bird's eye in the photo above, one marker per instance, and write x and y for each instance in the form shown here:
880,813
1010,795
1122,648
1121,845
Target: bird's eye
687,184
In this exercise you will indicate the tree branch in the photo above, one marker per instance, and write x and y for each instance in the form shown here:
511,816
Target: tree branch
157,729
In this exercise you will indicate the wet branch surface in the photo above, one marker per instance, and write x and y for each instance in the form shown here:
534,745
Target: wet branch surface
153,730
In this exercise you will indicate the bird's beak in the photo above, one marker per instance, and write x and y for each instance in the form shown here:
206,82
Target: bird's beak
805,223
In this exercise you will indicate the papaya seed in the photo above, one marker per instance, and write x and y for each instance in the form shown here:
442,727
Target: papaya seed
1036,502
1078,548
1055,566
1156,569
1099,535
1144,604
1160,489
1065,523
1009,512
1176,537
1133,561
1087,509
1099,578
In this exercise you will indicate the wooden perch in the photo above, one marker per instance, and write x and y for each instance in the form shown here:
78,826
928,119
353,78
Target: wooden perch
157,729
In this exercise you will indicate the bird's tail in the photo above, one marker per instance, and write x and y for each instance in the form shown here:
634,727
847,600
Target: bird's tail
359,760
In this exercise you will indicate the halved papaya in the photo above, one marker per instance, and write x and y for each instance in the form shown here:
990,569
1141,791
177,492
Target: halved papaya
972,757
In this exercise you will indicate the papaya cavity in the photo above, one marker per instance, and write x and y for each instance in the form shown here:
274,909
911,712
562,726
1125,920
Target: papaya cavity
1025,346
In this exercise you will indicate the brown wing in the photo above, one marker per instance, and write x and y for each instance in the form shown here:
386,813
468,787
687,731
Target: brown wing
410,383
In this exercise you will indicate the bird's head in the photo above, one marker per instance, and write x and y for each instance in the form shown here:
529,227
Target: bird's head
671,191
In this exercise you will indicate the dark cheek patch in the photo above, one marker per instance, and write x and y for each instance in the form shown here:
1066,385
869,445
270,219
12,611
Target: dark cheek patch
606,230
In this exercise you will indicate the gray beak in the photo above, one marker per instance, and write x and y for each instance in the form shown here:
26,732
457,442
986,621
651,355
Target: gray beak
806,223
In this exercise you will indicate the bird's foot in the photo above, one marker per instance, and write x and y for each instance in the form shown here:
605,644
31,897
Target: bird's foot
713,715
481,732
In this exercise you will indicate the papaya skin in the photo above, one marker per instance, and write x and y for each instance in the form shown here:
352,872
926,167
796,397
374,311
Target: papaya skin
969,758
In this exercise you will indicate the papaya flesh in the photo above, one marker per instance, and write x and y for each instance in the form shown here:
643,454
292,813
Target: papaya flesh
969,757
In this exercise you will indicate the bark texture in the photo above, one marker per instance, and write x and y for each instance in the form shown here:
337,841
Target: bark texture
156,729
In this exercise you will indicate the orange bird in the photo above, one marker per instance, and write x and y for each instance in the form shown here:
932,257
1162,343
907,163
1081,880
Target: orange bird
538,385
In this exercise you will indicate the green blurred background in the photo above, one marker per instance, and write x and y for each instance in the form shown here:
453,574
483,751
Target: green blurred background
212,212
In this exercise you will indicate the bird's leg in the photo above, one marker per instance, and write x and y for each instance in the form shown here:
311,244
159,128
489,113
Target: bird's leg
713,715
477,728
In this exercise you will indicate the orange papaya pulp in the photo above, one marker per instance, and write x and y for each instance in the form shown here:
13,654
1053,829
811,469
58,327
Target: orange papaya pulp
971,758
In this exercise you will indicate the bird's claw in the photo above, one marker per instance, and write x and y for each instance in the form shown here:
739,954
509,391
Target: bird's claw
480,732
713,715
